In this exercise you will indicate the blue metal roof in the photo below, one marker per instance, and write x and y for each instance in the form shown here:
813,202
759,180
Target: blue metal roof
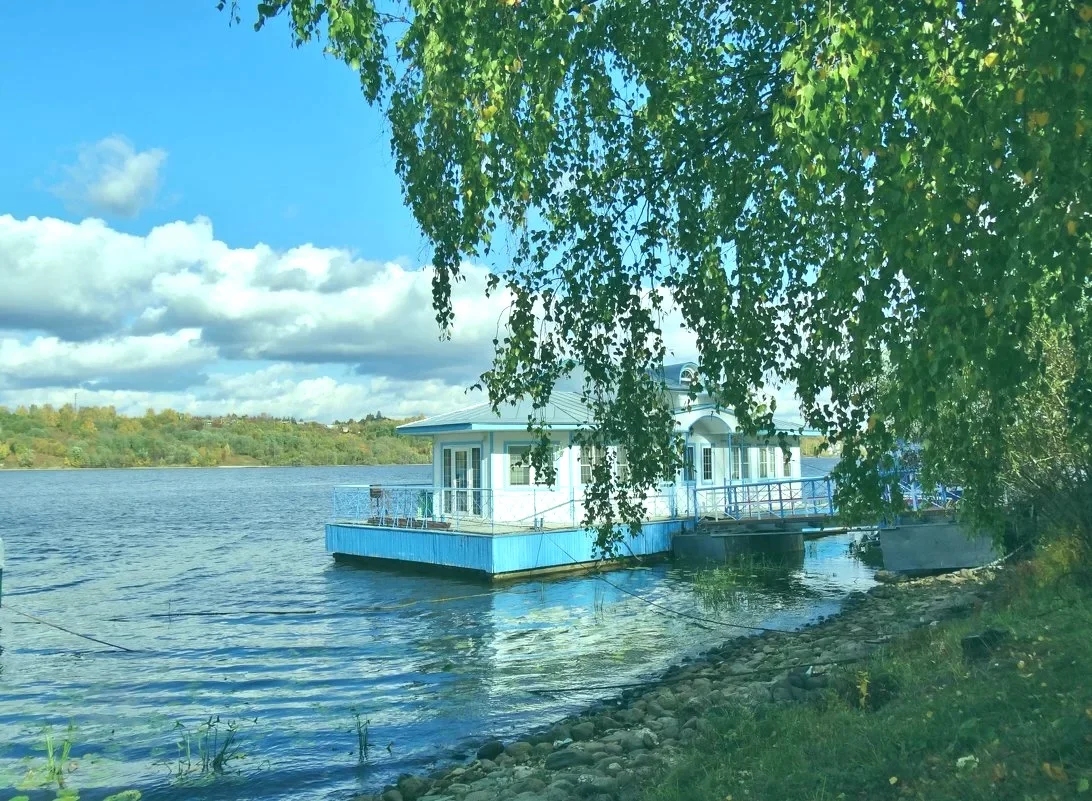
564,412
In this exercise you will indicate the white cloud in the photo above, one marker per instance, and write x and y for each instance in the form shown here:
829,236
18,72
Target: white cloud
280,390
82,280
111,177
176,316
161,360
307,304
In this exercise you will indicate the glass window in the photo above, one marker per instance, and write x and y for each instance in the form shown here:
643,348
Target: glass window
688,464
706,464
590,456
519,466
623,464
786,461
763,462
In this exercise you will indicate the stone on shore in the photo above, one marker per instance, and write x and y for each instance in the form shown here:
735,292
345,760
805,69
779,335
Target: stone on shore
569,758
519,751
583,731
490,749
613,750
411,787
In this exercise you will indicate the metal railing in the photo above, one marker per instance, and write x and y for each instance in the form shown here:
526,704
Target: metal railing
918,500
796,497
423,506
414,506
486,511
804,497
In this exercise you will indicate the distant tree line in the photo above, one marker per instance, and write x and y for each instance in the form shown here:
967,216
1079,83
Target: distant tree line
97,436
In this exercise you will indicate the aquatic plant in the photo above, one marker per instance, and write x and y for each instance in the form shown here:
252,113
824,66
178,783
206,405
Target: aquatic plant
362,743
57,770
208,750
58,763
733,584
598,604
70,794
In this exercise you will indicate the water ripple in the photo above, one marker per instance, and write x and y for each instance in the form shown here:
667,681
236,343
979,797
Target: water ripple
218,580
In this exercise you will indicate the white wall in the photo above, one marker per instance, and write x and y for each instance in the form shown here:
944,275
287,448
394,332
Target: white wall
555,504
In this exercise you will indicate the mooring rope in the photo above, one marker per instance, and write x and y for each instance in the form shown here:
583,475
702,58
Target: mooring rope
338,610
59,627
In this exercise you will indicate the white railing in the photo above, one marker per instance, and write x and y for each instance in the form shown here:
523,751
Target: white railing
413,506
803,497
481,510
797,497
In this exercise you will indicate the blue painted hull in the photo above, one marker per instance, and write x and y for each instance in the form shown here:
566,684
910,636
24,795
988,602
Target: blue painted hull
490,554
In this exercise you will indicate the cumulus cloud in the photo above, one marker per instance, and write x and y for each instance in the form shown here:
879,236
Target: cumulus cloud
308,304
280,390
176,316
111,177
83,280
160,361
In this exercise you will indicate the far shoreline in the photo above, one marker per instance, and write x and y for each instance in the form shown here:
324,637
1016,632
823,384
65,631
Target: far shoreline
203,467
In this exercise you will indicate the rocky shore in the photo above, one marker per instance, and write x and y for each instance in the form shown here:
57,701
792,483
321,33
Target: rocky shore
614,749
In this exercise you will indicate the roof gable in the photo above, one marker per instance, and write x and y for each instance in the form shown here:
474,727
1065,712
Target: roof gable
564,411
677,377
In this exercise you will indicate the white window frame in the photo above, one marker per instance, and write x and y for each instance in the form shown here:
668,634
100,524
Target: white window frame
513,452
621,463
741,463
707,455
590,456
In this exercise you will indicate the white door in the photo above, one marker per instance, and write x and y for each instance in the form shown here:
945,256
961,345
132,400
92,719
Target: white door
462,480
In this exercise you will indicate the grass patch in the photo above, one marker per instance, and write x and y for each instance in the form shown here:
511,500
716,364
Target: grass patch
1015,725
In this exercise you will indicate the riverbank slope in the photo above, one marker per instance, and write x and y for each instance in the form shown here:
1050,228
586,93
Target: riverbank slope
970,685
43,437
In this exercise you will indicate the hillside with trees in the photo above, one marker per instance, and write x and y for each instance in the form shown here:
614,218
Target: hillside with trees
44,436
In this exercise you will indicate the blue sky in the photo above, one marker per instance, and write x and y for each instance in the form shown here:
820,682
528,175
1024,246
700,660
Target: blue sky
200,216
274,144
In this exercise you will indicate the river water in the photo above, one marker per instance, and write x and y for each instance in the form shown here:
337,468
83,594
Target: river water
217,582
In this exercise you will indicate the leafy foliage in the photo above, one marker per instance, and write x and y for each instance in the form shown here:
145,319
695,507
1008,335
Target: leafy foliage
1045,457
1015,726
42,436
829,193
